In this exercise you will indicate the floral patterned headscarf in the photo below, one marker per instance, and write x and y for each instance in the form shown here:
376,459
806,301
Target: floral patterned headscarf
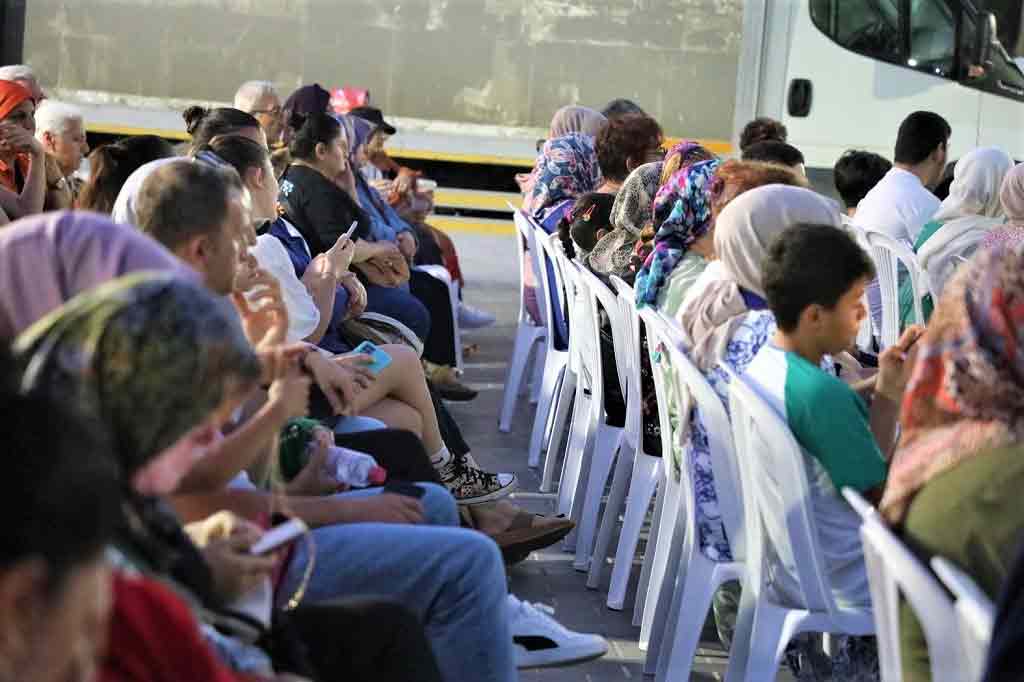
966,392
688,192
566,169
146,358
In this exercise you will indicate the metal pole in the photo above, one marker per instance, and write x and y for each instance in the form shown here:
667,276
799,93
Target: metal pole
12,31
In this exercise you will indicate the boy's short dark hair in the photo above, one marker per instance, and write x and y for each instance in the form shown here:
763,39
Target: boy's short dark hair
808,265
626,137
773,151
762,130
856,172
920,134
621,106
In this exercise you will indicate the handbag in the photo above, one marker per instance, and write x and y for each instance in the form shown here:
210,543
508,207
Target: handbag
384,272
379,330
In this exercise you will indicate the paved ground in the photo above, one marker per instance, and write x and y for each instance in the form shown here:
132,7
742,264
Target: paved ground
547,576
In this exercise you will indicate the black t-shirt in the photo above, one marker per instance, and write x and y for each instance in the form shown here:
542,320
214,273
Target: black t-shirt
319,209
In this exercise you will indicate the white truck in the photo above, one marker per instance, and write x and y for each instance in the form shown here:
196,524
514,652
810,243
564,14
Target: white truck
471,84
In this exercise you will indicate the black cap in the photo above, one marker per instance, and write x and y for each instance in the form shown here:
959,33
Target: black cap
374,116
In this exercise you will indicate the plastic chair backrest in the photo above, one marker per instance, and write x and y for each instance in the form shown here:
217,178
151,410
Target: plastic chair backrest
524,250
632,362
975,614
569,273
548,252
720,440
894,571
766,450
887,254
609,300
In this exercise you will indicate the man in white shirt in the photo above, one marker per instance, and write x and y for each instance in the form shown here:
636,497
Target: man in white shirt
902,202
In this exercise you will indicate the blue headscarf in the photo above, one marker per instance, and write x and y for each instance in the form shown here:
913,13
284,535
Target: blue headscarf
566,169
689,220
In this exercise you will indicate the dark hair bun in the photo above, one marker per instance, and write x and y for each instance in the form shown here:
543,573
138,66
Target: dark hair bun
194,116
297,120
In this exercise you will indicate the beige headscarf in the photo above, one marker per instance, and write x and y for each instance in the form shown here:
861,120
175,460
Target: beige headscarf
576,119
743,232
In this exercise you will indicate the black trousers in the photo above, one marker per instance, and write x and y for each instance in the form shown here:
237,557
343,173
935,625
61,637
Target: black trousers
363,639
439,346
398,451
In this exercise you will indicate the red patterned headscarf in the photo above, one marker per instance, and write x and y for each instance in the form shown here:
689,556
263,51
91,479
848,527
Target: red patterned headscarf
966,393
11,95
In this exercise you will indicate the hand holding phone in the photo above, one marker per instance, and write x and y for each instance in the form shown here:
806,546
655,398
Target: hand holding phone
278,537
380,359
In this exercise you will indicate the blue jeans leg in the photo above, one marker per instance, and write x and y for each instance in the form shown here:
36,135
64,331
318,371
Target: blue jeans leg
453,579
399,303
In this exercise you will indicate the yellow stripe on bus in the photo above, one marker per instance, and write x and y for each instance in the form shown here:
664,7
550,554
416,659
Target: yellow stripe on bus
132,130
480,226
475,199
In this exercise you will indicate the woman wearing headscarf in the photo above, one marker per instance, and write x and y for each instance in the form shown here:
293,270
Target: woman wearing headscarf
954,485
613,254
964,220
22,157
684,242
1011,197
568,120
566,170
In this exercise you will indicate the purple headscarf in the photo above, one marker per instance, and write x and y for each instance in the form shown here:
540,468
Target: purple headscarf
48,259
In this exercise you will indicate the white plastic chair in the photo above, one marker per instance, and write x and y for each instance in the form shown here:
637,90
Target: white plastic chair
635,471
682,596
893,571
528,334
441,273
887,254
766,450
607,438
555,359
975,615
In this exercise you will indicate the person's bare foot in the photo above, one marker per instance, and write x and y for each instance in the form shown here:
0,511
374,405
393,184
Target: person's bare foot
494,518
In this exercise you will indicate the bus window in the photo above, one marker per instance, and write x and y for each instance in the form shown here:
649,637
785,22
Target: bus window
932,38
868,27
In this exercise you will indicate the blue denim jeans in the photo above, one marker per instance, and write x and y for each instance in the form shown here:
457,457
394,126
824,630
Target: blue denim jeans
453,580
399,303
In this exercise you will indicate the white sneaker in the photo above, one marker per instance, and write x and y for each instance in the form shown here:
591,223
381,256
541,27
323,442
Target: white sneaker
474,318
540,641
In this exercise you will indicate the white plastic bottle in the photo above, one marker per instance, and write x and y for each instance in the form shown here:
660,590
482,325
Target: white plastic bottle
354,468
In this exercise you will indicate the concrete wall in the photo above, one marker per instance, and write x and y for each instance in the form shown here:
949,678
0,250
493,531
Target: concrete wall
501,62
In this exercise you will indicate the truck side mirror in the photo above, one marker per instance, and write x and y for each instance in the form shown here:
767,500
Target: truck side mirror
984,38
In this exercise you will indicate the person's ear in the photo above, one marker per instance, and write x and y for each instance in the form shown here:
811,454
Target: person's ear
631,164
812,316
49,143
196,251
321,150
254,177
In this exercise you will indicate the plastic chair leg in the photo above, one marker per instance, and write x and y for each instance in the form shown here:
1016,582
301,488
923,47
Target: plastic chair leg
609,438
526,339
566,396
686,618
537,377
641,490
649,553
667,576
554,366
574,452
610,519
772,627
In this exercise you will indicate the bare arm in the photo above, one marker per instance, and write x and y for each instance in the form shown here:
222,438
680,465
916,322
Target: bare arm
322,286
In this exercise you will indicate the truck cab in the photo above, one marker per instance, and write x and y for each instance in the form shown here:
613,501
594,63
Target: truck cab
842,74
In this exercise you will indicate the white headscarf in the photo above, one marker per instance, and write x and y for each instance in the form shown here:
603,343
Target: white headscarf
743,232
968,214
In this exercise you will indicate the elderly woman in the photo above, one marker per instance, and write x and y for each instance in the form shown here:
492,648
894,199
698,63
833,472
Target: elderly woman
22,157
954,484
966,217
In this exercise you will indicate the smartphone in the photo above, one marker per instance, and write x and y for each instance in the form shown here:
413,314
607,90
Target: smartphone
278,537
352,229
404,488
380,358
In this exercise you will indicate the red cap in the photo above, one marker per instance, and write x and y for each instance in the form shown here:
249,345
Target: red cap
378,475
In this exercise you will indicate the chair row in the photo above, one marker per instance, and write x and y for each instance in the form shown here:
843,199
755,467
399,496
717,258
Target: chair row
677,581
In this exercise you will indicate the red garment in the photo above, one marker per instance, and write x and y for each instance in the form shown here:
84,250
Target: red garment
11,95
8,176
155,638
344,100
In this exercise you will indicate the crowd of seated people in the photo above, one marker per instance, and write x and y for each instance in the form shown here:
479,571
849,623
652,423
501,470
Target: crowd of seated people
768,280
177,328
200,309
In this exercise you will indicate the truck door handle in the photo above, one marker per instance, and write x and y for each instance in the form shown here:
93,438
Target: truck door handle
801,94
